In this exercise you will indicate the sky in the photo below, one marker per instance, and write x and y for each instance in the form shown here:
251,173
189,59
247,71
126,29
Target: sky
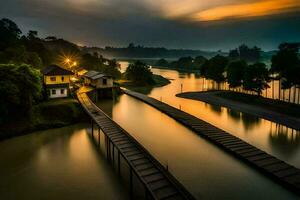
192,24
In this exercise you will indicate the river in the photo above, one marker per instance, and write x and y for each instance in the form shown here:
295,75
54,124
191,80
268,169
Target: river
64,163
58,163
203,168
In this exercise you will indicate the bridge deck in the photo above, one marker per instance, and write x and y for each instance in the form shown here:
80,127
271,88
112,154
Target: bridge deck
159,183
286,174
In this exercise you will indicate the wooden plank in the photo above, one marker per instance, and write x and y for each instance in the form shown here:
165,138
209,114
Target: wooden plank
263,161
134,154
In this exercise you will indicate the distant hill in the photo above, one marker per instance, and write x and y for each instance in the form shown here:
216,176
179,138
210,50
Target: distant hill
133,51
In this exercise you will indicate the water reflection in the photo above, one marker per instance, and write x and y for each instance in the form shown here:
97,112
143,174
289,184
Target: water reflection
236,115
214,108
199,165
56,164
250,121
247,127
284,139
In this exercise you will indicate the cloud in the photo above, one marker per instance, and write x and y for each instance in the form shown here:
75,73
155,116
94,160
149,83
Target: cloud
169,23
246,10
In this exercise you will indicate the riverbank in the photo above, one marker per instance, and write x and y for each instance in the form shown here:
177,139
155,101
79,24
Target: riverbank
177,69
276,111
286,174
53,113
159,81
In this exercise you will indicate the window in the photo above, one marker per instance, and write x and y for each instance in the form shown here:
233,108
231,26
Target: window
62,79
52,78
53,92
62,91
104,81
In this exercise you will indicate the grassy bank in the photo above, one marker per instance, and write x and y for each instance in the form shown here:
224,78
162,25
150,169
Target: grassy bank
50,114
270,104
159,81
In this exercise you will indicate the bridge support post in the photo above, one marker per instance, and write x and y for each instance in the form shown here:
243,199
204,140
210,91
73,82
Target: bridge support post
131,183
109,151
113,156
119,169
99,136
92,127
106,144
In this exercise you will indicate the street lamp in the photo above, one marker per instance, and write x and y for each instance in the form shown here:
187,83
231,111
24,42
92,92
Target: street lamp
67,60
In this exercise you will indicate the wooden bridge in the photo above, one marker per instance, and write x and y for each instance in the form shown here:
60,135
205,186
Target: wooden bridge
287,175
158,182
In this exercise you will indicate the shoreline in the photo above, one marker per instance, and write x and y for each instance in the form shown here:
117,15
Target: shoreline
160,81
51,114
177,69
212,97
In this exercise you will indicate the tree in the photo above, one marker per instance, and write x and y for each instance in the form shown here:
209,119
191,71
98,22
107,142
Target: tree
243,52
198,62
215,67
162,63
256,78
235,73
32,35
20,87
139,73
9,33
234,54
286,64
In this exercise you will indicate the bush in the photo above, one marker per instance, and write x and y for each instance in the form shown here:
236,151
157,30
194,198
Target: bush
20,87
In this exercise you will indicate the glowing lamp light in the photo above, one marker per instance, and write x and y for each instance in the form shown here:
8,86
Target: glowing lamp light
67,60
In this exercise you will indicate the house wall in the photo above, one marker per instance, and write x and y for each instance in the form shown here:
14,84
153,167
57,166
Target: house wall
58,92
87,81
100,84
58,79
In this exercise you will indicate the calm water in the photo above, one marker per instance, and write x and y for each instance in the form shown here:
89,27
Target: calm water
56,164
207,171
275,139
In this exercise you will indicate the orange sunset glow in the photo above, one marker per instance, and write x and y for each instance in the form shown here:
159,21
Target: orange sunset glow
259,8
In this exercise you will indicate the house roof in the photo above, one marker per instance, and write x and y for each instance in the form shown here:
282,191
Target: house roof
95,75
90,74
53,70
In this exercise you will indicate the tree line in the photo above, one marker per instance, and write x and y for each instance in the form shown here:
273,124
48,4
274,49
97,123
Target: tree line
242,68
285,67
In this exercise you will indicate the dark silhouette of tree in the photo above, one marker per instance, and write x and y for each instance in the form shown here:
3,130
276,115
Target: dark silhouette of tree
109,67
234,54
286,64
139,73
9,34
235,73
198,62
162,63
214,68
50,38
256,78
246,53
